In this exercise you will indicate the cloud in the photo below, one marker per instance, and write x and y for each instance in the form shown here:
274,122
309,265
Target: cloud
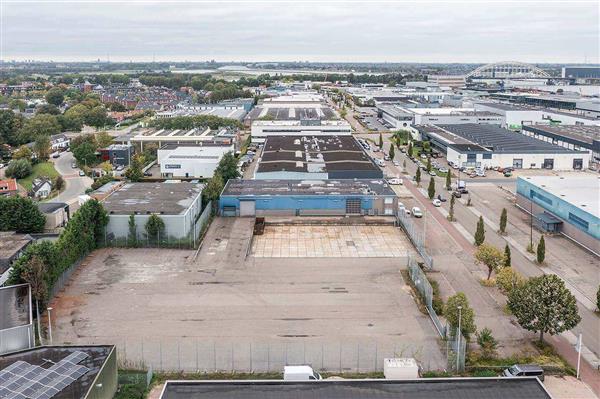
402,31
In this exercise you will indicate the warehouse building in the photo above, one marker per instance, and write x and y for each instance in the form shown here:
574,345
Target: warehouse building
161,137
307,198
567,205
573,137
315,157
515,116
401,117
190,160
177,203
473,145
261,129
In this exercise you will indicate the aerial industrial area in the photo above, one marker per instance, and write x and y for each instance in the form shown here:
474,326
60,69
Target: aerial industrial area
299,230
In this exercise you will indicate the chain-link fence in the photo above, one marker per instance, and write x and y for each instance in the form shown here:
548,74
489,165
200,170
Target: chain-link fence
416,236
420,280
164,238
456,344
190,354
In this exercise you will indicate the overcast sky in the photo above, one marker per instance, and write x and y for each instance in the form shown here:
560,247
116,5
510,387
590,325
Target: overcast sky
394,31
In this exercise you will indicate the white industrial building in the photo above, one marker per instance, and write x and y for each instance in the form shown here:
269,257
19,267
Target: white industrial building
402,117
190,160
262,129
178,205
515,116
488,146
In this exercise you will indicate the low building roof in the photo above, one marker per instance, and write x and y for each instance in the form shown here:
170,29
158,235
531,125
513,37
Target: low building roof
149,198
49,207
318,154
268,187
90,358
435,388
8,185
583,133
11,244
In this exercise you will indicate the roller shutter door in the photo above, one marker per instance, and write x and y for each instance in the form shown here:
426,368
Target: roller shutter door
247,208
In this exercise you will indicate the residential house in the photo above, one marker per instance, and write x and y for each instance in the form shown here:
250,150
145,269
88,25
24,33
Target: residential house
59,142
41,188
8,187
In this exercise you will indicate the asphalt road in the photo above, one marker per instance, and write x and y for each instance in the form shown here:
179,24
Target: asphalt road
75,184
589,326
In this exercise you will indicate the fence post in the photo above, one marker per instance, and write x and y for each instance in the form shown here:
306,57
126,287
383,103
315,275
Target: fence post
268,357
375,356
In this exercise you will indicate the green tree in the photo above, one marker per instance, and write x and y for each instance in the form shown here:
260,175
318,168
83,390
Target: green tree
487,343
467,316
227,167
134,172
451,210
39,125
103,139
42,147
55,96
21,215
392,152
23,152
448,181
19,169
132,235
409,151
503,220
418,176
543,304
85,154
480,232
34,273
10,124
96,117
155,227
213,188
428,164
507,256
507,279
343,112
541,250
431,188
59,183
48,109
489,256
380,141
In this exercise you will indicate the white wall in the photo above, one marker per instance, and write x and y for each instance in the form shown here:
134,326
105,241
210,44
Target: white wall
194,161
561,161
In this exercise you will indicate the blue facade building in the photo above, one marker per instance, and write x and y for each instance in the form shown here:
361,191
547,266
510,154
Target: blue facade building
307,198
572,203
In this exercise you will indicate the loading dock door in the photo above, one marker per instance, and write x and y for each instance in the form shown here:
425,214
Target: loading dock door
353,206
247,208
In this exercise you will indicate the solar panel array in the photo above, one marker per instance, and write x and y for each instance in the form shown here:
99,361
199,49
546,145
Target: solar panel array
502,140
22,380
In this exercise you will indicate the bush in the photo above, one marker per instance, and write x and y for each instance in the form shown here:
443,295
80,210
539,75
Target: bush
437,303
19,169
101,181
485,373
487,343
131,391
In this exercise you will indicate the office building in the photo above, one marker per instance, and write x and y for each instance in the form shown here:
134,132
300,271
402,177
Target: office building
190,160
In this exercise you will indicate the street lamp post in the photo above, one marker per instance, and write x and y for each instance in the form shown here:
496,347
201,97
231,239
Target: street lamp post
459,337
49,325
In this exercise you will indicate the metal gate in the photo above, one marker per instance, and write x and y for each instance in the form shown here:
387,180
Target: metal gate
247,208
353,206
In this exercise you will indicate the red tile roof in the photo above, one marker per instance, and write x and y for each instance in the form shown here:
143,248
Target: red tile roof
8,185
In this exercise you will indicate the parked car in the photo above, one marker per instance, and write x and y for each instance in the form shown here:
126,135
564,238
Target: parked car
1,165
56,155
423,156
432,173
524,370
442,199
456,194
436,202
81,173
416,212
443,170
507,174
396,163
395,181
73,165
120,168
147,174
386,158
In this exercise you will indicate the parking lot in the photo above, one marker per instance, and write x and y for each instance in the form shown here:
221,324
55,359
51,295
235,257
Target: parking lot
331,241
165,308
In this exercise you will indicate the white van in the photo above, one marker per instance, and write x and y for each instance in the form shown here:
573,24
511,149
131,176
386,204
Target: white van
300,373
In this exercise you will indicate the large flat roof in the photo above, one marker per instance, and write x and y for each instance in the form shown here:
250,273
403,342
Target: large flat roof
435,388
145,198
583,133
318,154
45,356
579,191
291,113
268,187
500,140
